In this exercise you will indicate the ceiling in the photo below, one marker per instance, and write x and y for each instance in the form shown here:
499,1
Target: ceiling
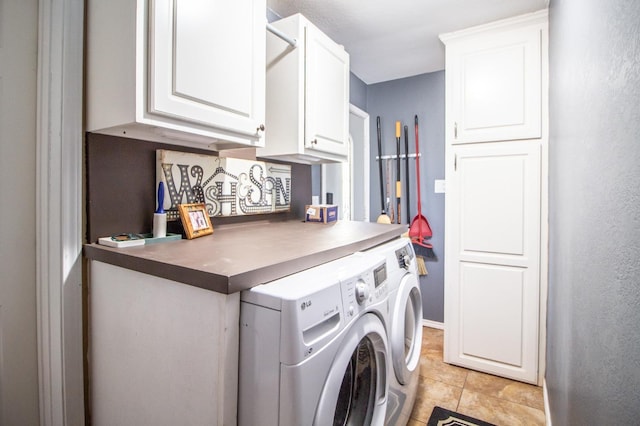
390,40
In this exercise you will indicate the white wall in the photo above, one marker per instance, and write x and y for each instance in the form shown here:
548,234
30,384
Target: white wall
18,344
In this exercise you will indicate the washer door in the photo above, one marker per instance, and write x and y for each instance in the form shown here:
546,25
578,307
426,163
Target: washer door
406,328
355,392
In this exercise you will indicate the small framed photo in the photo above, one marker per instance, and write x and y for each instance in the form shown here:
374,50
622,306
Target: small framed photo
195,220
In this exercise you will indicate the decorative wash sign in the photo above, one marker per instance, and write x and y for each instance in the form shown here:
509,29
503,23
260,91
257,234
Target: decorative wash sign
227,186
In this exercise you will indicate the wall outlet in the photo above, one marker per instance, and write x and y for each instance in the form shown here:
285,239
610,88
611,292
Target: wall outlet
438,186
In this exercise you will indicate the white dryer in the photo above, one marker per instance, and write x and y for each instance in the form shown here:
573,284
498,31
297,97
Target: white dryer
313,346
405,330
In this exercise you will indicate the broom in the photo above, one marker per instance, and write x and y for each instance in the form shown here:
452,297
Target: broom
420,230
383,218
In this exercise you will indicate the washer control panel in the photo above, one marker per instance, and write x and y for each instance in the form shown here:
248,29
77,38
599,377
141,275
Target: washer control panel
405,255
365,289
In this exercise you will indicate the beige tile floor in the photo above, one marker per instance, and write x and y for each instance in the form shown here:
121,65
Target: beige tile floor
493,399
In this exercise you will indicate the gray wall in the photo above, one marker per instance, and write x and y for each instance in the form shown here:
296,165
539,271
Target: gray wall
18,309
593,343
357,92
401,100
122,172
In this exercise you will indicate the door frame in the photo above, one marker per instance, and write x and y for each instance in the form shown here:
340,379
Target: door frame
59,213
353,152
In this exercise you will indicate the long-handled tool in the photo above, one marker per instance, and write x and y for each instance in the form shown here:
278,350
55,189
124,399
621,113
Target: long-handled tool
398,184
387,164
406,173
383,218
420,230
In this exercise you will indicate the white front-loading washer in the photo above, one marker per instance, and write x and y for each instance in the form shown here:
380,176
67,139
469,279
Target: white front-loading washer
314,348
405,327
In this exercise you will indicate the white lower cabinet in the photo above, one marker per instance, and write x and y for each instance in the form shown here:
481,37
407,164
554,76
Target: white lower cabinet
307,95
492,265
188,73
160,352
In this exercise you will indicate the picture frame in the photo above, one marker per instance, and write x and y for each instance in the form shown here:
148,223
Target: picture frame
195,220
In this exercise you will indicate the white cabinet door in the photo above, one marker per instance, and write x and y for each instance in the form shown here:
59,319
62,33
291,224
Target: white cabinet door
206,63
492,259
307,95
327,94
187,73
495,84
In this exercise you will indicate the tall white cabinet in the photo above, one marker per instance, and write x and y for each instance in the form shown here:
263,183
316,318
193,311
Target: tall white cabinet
496,201
190,73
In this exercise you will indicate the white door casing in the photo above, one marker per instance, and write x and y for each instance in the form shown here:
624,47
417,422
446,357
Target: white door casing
349,181
359,163
59,211
55,222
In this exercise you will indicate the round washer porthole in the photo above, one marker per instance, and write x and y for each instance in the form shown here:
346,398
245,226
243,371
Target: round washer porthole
406,329
356,399
355,390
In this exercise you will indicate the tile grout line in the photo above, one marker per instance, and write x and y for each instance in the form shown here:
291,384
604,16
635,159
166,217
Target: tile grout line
463,386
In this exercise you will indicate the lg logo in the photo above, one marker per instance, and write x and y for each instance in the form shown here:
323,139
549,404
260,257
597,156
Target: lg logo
305,305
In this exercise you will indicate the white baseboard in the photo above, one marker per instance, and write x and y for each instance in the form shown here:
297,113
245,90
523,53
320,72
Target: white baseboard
547,413
433,324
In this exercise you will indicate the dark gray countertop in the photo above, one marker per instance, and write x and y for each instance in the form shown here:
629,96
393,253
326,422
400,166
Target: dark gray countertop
238,257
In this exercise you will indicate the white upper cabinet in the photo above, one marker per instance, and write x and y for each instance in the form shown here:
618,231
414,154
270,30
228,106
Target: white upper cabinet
307,95
183,72
494,82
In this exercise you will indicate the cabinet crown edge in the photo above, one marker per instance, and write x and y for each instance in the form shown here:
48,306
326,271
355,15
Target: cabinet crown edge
534,18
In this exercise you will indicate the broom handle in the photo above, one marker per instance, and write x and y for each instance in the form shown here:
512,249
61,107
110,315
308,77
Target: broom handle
418,184
418,164
380,165
406,172
398,184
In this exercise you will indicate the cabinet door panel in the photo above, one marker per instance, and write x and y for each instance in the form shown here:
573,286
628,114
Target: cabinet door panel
493,189
492,89
194,62
188,80
502,312
327,86
492,258
495,81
